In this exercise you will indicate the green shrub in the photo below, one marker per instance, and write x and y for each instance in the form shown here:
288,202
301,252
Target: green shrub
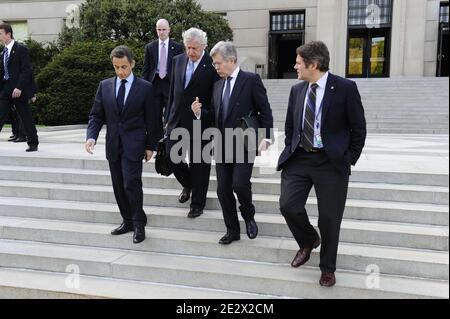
136,19
68,84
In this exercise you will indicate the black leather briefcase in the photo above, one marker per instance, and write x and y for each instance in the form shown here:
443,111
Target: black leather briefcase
252,122
162,164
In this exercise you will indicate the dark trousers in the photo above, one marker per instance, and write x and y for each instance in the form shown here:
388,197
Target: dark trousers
127,183
161,94
194,176
24,111
235,177
17,127
300,173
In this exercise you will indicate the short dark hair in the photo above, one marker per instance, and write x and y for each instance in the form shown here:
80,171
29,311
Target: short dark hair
122,51
315,52
7,27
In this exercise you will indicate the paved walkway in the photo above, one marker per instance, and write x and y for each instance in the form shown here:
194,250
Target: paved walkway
426,154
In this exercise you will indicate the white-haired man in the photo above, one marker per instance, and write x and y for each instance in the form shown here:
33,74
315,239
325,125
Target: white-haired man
193,77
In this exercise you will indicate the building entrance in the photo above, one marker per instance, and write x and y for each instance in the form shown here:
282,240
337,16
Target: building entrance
287,33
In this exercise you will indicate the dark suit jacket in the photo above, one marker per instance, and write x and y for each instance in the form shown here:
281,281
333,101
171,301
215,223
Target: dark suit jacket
180,99
151,58
134,127
20,72
249,94
343,123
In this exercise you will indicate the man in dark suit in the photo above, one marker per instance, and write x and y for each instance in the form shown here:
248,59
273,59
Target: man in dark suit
237,95
325,134
16,84
158,67
193,77
125,104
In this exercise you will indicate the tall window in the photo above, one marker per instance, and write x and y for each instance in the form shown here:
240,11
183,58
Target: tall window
361,12
291,21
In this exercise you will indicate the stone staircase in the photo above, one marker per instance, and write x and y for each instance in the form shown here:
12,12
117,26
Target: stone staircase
57,208
404,105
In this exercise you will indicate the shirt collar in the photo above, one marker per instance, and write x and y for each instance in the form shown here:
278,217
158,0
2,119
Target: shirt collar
166,42
129,79
10,45
322,83
235,73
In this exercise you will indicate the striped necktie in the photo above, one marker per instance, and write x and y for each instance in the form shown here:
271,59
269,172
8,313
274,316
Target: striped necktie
5,61
310,116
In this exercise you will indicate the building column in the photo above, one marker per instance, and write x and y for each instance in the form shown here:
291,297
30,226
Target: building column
408,37
332,29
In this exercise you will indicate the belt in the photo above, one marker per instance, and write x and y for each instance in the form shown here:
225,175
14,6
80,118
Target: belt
312,150
315,150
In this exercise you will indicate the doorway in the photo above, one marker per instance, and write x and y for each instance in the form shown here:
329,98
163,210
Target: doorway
287,33
443,55
367,53
282,55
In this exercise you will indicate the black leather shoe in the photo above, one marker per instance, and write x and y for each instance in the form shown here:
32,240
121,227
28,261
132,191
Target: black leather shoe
12,138
252,228
229,238
185,195
139,234
195,212
122,229
20,139
32,149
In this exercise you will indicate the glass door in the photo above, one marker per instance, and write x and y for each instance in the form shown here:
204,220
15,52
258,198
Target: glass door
377,56
367,54
356,50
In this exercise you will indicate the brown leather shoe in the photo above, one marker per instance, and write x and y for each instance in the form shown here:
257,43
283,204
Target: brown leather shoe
303,254
328,279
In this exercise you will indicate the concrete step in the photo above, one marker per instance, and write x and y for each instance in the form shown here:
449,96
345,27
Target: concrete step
355,209
358,175
407,131
32,284
370,191
214,273
352,231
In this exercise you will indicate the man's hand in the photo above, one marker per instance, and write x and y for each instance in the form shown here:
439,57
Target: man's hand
148,155
196,107
16,93
89,146
264,146
34,98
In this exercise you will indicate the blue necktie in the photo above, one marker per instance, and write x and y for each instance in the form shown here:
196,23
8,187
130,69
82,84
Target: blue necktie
189,72
6,59
121,96
226,99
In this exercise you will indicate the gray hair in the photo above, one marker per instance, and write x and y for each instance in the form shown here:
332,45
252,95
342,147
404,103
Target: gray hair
195,34
226,49
122,51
